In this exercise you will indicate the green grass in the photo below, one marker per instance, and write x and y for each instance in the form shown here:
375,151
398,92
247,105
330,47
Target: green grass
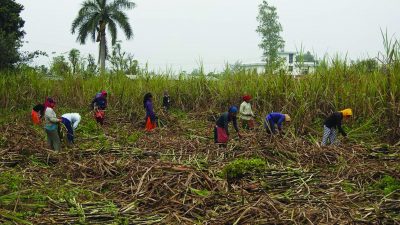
241,167
10,181
308,99
387,184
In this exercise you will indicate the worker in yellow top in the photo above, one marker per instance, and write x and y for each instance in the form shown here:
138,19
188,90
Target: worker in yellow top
246,114
331,123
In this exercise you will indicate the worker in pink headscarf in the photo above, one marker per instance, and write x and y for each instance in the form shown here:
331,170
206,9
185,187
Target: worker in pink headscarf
246,114
99,105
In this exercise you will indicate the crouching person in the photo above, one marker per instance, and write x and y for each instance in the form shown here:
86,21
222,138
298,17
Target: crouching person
221,132
333,122
99,105
51,125
277,119
37,113
71,122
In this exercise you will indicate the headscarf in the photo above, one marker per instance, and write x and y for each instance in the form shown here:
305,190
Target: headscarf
103,93
49,103
146,98
233,109
246,98
347,112
287,118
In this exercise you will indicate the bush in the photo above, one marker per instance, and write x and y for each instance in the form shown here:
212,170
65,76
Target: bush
241,167
387,184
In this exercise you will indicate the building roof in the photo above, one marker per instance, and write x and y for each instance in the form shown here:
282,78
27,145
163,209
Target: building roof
287,53
253,64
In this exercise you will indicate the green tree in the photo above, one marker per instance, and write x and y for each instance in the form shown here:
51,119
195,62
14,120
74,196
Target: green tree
122,61
117,58
269,29
133,65
91,68
74,58
59,66
307,57
11,32
96,16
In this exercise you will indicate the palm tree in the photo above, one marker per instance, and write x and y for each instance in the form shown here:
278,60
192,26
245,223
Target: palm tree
95,16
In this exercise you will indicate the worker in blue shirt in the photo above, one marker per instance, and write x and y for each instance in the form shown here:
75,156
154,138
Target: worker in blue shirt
277,119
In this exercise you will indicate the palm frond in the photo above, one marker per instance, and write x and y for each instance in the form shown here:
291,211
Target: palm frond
88,26
122,4
112,28
123,21
88,8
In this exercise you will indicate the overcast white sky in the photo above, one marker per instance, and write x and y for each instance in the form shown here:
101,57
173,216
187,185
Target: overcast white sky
179,34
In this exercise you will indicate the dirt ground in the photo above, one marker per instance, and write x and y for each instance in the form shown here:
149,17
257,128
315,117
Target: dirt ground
119,174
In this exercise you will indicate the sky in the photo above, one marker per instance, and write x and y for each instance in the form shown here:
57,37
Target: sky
180,35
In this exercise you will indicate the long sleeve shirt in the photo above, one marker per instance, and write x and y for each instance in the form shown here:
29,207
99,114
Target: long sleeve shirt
51,119
275,118
224,119
246,113
166,101
74,118
335,121
100,102
150,111
39,108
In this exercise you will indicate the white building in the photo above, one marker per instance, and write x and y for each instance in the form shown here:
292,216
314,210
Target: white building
289,64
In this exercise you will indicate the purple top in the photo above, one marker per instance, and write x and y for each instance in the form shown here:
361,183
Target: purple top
149,110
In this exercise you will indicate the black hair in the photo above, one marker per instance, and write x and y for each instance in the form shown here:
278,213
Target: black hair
146,98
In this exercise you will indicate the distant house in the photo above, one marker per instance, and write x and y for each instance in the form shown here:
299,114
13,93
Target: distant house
290,64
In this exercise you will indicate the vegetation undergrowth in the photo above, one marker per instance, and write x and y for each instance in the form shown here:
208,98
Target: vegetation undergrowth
387,184
241,167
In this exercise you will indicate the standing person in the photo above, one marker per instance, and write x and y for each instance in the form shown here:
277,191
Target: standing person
99,105
275,118
51,125
71,121
221,132
166,101
151,118
331,123
246,113
37,113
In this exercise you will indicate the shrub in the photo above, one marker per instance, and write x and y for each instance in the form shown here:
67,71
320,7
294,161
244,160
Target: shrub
241,167
387,184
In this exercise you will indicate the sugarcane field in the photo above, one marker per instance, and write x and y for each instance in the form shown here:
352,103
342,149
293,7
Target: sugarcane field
96,129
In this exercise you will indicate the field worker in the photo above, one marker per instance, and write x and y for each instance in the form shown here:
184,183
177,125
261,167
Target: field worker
37,113
166,101
71,121
51,125
246,113
273,119
331,123
99,104
221,132
151,118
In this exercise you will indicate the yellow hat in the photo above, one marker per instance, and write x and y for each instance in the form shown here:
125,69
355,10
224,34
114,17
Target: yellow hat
347,112
287,118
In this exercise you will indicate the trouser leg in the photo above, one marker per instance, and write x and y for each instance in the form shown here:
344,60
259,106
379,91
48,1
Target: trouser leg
326,136
245,124
215,135
332,137
54,140
49,140
70,130
267,126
